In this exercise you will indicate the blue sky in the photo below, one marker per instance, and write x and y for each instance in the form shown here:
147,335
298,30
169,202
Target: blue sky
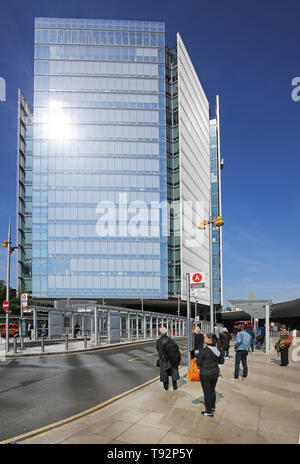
247,52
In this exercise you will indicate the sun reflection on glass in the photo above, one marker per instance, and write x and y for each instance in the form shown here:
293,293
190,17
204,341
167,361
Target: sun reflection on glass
59,124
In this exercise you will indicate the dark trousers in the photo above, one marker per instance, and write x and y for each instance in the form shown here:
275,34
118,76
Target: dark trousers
166,384
226,353
284,357
209,383
241,356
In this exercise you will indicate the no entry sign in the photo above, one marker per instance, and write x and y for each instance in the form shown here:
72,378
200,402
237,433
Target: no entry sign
5,305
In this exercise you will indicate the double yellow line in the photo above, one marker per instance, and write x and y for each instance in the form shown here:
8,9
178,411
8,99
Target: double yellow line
77,417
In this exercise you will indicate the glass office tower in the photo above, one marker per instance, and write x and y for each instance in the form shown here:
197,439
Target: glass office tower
120,156
99,144
216,205
24,195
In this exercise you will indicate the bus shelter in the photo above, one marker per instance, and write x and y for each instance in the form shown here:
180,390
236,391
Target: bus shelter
257,309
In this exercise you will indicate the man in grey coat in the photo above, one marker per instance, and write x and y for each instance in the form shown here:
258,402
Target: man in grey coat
169,359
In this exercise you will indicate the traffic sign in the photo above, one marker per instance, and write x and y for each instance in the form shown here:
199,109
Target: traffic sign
196,278
24,300
5,305
197,284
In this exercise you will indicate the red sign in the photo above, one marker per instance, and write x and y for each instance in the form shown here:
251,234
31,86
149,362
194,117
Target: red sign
197,278
5,305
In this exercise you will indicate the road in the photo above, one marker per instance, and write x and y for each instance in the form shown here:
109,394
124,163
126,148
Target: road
38,391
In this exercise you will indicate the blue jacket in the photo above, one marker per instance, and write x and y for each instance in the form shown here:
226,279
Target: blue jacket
243,341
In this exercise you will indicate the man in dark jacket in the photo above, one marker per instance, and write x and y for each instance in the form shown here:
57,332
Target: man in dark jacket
225,338
208,360
169,359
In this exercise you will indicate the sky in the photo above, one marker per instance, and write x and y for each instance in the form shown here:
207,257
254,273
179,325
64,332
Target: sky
245,51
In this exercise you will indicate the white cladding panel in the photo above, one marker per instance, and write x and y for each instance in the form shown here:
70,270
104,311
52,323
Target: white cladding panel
194,159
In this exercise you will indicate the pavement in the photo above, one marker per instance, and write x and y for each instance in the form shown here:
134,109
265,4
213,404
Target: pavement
263,410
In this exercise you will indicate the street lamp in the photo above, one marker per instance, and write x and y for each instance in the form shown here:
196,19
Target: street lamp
218,222
10,249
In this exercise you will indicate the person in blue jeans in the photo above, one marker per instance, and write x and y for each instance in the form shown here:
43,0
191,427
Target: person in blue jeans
242,344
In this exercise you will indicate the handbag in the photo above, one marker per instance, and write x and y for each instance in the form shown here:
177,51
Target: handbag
194,371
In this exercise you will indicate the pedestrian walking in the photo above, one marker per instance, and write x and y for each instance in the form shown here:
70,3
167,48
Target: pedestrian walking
258,338
76,329
241,347
29,328
252,335
44,330
283,345
225,338
198,341
263,334
209,359
169,359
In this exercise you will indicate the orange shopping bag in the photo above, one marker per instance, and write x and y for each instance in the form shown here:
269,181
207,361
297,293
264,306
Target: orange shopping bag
194,371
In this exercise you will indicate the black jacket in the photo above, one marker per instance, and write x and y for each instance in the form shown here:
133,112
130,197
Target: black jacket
225,341
166,367
208,360
198,341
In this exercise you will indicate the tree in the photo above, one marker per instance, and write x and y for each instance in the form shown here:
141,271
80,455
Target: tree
14,303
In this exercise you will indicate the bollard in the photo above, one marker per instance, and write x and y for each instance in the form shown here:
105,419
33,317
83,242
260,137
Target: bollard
22,342
85,341
98,339
42,344
66,342
15,344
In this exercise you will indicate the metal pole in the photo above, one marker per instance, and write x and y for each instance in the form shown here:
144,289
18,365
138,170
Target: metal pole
178,310
267,328
108,327
67,341
96,327
188,317
145,326
7,286
151,326
42,344
196,313
34,324
128,326
72,324
137,326
156,326
211,280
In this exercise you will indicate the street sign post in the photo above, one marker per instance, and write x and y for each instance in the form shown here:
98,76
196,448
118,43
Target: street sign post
189,334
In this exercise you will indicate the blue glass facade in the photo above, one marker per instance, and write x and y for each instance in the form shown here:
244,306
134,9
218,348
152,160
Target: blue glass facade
24,195
99,140
215,211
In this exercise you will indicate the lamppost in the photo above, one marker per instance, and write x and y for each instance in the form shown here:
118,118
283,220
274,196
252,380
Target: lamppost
218,222
10,249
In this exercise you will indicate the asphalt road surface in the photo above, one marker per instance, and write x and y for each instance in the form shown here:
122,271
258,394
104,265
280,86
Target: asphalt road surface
38,391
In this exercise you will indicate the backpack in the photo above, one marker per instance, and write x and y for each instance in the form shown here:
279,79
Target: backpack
172,351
